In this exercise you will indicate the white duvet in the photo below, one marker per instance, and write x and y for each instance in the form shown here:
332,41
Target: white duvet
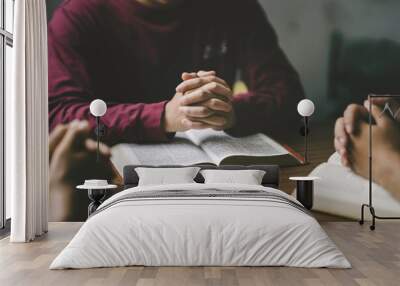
202,231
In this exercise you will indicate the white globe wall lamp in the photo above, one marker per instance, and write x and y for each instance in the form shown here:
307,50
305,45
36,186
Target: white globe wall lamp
306,108
98,108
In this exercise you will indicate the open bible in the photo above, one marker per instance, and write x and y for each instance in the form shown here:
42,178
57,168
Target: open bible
206,147
340,191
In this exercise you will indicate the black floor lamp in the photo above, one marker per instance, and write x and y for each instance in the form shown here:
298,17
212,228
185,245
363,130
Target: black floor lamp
370,205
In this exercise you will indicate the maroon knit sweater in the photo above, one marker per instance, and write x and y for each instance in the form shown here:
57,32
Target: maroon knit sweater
132,57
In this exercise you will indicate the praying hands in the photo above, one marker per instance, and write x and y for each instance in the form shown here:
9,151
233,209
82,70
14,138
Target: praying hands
202,100
352,142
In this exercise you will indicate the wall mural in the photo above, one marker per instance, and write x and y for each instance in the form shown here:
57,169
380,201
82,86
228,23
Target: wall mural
185,84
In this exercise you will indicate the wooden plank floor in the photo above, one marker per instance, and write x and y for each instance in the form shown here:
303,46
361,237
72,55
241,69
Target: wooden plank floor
375,257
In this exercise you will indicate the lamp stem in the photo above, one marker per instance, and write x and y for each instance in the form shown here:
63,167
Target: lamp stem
98,139
306,139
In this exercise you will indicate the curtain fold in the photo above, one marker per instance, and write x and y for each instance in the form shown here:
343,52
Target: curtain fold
27,124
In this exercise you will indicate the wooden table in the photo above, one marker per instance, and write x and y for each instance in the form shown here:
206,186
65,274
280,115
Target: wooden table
375,257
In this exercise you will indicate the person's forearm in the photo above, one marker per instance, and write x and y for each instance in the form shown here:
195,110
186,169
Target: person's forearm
124,123
391,180
60,201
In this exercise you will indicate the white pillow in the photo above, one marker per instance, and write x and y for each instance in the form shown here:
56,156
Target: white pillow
166,176
247,177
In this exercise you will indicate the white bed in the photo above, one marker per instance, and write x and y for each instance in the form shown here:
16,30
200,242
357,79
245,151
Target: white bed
201,231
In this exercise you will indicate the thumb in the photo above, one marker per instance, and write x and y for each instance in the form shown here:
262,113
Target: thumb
186,75
91,146
77,132
55,137
379,115
206,73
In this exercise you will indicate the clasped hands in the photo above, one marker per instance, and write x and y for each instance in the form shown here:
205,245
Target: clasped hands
202,100
353,127
352,141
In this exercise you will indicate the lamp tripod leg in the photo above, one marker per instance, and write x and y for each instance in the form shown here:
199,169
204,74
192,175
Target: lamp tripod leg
361,221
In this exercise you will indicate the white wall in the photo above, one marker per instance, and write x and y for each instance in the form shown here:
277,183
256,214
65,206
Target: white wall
305,26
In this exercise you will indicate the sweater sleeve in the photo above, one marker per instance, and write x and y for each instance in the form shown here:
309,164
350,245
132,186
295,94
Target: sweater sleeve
70,89
274,86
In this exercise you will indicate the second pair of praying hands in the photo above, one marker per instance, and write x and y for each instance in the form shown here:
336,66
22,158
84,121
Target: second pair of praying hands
352,134
202,100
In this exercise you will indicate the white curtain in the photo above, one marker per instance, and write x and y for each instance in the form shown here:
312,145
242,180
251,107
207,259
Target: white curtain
27,124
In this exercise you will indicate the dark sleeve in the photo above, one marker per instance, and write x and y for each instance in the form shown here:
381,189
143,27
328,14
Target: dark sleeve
70,90
274,85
